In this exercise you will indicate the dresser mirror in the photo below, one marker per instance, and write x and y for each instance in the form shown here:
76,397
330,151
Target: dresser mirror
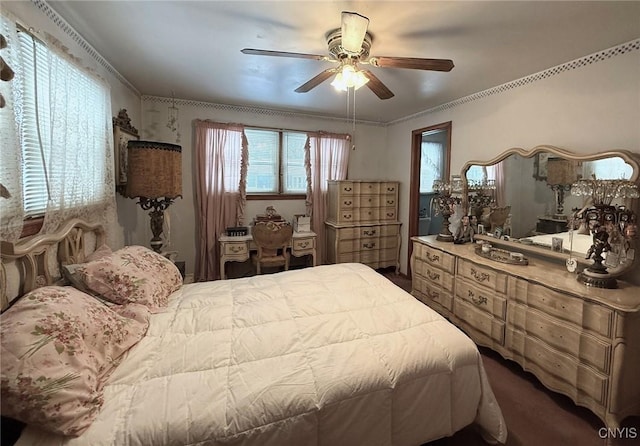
535,187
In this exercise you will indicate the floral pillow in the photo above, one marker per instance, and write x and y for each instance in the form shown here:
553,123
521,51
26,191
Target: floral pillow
59,345
133,274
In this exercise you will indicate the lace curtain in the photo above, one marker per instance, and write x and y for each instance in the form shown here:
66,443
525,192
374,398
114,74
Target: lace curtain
73,135
11,211
431,164
326,158
221,159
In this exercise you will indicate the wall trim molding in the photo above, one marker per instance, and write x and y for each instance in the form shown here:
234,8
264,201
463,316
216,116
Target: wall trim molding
61,23
624,48
256,110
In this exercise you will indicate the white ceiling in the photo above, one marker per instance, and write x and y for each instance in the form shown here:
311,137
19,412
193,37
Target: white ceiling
192,48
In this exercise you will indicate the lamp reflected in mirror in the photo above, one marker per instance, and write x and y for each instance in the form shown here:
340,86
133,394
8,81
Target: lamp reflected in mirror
561,174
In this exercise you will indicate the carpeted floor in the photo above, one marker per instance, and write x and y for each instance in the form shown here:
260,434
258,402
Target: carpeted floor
534,415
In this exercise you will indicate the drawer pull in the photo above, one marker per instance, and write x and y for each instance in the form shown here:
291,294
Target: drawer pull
348,203
391,189
368,245
236,249
347,189
433,258
390,214
347,216
480,277
477,300
372,232
390,201
432,294
370,200
433,276
303,244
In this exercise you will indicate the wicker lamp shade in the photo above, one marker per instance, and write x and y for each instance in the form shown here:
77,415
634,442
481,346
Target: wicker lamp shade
154,170
561,171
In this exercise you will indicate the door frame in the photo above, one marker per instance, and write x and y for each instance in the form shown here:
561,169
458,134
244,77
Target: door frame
414,188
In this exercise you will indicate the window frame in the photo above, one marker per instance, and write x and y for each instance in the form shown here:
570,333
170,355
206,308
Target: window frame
280,195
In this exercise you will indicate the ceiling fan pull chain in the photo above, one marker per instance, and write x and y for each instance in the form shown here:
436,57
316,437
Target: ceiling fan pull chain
353,130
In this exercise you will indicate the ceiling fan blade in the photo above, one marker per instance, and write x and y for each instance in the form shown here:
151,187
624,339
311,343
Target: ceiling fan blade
255,52
412,63
377,86
315,81
354,28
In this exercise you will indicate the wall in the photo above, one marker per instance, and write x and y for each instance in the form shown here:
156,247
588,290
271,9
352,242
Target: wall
586,107
363,163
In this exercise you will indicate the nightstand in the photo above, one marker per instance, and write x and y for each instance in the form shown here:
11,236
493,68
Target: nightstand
238,248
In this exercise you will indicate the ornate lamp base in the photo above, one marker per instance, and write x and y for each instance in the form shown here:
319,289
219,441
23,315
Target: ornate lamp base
445,237
445,234
598,279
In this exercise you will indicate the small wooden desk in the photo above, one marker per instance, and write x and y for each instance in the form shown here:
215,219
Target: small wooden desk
238,248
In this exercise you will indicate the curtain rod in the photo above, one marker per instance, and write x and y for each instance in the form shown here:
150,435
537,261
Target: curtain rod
31,32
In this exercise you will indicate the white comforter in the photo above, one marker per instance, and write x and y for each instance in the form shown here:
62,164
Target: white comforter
332,355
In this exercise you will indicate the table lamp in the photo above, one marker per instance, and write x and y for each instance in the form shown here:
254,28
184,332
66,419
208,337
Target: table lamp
154,176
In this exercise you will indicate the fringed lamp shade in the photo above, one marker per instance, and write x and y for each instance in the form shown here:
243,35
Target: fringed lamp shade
154,175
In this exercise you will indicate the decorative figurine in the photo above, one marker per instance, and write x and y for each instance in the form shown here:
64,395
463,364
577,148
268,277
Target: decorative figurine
465,232
600,246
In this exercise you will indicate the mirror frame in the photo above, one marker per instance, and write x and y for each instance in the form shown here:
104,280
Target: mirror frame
629,157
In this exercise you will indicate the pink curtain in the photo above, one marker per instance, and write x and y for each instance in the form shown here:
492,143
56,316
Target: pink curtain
326,158
501,193
221,157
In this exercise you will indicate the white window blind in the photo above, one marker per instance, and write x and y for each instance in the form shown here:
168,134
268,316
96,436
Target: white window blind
63,131
295,175
276,161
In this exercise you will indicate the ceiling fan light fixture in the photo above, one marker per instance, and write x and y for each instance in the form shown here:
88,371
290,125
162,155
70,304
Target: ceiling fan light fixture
349,77
354,28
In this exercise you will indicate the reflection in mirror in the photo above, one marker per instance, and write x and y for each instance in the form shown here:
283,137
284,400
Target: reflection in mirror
536,186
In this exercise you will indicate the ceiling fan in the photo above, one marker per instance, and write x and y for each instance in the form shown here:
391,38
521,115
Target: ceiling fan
349,46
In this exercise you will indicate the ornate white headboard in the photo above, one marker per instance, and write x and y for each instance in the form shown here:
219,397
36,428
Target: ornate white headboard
35,261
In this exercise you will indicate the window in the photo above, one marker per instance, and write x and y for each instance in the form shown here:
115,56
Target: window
276,162
481,175
431,165
62,115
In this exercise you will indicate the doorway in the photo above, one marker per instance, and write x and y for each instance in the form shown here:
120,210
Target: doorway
430,160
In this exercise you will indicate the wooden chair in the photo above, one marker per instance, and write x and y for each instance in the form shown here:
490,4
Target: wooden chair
271,239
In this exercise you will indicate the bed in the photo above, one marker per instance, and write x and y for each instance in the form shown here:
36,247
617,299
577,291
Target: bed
330,355
571,241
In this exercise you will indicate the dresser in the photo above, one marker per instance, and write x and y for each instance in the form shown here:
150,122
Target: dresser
362,223
581,341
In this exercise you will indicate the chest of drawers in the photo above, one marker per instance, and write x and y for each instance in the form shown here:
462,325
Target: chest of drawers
581,341
362,223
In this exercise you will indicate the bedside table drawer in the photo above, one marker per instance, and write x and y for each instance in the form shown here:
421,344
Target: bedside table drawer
302,244
239,248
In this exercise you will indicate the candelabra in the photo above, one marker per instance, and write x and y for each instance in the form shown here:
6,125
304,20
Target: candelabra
480,196
445,204
612,226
